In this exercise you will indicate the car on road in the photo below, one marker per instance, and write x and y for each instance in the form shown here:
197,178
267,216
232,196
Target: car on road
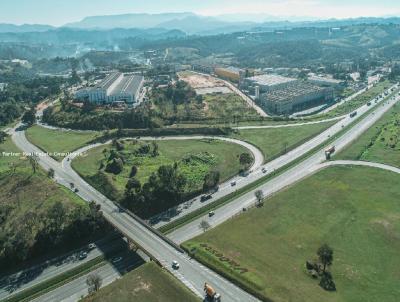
233,183
116,260
82,255
264,170
175,264
205,197
91,246
211,214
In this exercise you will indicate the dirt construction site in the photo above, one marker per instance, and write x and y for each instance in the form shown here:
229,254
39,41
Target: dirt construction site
204,84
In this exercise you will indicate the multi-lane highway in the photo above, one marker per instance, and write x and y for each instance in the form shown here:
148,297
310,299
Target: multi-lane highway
12,284
307,167
191,273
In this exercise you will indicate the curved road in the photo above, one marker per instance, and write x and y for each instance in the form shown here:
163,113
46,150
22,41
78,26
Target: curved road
360,163
304,169
191,273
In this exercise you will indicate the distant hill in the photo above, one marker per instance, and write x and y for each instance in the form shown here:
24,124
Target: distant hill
191,23
105,37
127,21
12,28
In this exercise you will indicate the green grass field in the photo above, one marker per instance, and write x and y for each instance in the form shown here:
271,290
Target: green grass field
59,141
380,143
209,154
273,141
148,283
355,210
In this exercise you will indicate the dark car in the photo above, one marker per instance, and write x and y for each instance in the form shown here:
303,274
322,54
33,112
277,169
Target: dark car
205,197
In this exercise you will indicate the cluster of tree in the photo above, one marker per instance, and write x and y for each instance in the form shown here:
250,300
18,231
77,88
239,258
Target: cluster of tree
88,119
34,234
31,91
319,269
9,111
163,190
178,93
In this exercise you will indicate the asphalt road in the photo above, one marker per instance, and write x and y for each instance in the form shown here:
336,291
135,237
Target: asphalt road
194,203
360,163
78,288
304,169
13,284
191,273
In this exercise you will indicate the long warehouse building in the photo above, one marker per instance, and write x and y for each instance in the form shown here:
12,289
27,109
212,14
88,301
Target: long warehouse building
116,87
282,95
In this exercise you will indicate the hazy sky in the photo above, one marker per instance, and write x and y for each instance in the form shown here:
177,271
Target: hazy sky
58,12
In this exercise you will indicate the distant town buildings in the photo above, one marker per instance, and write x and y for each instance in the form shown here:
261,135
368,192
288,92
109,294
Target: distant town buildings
116,87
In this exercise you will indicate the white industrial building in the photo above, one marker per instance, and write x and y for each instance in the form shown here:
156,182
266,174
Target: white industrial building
282,95
267,82
116,87
326,81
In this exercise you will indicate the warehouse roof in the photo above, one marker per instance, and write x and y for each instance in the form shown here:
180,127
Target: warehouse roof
293,91
128,84
270,79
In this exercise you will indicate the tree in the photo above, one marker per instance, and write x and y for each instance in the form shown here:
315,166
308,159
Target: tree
115,166
88,106
155,149
211,180
51,173
245,160
3,136
259,196
325,254
133,171
93,282
204,225
29,117
34,162
133,184
327,282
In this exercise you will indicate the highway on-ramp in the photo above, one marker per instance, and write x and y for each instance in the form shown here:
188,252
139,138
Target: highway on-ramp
191,273
304,169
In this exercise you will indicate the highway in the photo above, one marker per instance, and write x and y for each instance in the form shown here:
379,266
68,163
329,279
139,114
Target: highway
191,273
304,169
78,288
19,281
194,203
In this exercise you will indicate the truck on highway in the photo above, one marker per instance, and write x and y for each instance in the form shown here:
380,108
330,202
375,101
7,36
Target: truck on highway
329,152
211,294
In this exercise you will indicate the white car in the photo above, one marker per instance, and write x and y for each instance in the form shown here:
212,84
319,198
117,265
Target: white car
175,264
264,170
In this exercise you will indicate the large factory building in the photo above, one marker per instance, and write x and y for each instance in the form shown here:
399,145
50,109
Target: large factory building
116,87
283,96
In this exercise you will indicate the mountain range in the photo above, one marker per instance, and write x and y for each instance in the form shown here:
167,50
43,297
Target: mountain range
191,23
